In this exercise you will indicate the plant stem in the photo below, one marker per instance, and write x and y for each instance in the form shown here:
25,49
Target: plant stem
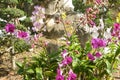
12,54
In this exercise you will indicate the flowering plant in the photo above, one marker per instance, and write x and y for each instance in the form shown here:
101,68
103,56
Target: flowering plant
96,60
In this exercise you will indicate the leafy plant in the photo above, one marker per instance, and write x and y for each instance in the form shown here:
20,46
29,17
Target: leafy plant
41,67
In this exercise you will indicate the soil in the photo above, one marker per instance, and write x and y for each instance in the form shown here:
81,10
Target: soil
6,73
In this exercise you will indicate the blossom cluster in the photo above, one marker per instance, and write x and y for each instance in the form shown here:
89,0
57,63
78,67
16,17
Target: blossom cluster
116,30
91,15
37,18
66,61
93,57
10,28
96,43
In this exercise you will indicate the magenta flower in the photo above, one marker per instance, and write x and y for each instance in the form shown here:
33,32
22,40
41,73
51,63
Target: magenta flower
71,75
67,60
92,23
22,34
10,28
116,26
97,42
64,53
91,57
116,30
59,75
98,55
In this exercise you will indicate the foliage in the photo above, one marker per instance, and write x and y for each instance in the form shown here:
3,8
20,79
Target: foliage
10,1
79,5
21,27
10,13
21,46
41,67
96,61
86,69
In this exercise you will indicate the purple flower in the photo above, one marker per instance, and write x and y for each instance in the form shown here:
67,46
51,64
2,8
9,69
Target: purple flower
90,56
22,34
72,75
37,7
59,75
97,42
10,28
98,55
67,60
36,24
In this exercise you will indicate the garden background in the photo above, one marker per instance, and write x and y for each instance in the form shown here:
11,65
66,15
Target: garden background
59,39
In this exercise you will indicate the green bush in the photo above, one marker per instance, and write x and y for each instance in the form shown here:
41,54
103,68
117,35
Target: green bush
21,27
10,13
20,46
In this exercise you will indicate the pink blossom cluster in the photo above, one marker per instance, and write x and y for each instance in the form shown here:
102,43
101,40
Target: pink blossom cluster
91,15
60,76
66,61
97,43
22,34
92,57
35,39
116,30
37,18
10,28
98,2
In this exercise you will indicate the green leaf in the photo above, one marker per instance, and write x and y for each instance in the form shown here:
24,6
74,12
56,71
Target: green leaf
49,73
109,67
38,73
20,71
117,51
30,71
20,65
88,47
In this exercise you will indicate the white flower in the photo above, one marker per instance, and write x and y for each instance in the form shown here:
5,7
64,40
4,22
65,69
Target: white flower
1,33
22,18
106,50
68,4
107,33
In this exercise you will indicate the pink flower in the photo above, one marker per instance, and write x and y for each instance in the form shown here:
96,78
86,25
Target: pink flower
22,34
98,1
88,10
59,75
10,28
116,30
91,57
98,55
36,37
67,60
97,42
92,23
68,42
116,26
72,75
64,53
